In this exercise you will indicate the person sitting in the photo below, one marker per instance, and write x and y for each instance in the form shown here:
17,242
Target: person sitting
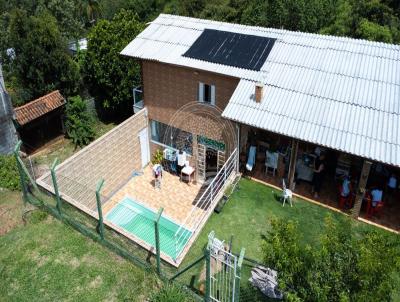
392,183
346,187
376,196
345,191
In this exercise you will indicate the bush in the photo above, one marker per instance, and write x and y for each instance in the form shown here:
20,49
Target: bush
9,177
79,122
339,268
170,293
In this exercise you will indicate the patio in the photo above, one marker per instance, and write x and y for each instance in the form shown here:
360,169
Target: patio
337,166
176,197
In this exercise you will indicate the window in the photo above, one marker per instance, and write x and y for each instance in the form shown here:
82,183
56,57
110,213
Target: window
206,93
171,136
137,99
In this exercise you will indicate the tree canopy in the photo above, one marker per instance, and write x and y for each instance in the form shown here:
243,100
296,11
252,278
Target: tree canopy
41,61
339,268
39,31
109,75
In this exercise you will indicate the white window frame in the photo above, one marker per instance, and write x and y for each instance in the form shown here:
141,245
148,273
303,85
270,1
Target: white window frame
200,94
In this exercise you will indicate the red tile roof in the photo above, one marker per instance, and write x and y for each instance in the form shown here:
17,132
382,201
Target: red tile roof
34,109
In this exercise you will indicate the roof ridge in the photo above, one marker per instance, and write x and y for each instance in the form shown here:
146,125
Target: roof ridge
286,31
38,100
282,40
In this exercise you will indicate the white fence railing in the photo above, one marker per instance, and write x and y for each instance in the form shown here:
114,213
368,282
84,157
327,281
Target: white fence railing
205,204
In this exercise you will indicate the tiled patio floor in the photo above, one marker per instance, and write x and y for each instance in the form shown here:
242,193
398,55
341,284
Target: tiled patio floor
175,196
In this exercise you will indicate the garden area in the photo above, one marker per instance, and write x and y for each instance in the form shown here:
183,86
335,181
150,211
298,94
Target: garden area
42,257
249,215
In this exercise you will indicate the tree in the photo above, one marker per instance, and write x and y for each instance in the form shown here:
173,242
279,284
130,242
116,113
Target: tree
41,62
66,14
79,123
109,75
340,267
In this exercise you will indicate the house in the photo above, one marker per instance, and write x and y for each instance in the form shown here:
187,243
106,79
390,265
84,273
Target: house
217,96
210,87
8,135
40,120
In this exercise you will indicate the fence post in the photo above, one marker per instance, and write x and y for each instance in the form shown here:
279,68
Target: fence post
157,238
20,171
208,275
55,185
100,226
238,273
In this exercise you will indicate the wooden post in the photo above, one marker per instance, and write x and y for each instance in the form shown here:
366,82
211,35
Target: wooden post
55,185
292,164
361,188
238,274
157,239
238,128
100,226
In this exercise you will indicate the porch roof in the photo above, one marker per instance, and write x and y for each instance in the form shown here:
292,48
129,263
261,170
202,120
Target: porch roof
367,131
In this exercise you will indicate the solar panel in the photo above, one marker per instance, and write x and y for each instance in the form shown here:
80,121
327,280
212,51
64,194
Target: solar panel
233,49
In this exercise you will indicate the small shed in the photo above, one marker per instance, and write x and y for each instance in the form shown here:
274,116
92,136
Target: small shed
40,120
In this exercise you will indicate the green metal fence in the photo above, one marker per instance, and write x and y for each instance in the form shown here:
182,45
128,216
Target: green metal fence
95,228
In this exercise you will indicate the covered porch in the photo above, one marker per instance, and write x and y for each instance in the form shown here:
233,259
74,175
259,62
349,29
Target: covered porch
279,157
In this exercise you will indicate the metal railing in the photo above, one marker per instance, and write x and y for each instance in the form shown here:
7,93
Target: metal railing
205,204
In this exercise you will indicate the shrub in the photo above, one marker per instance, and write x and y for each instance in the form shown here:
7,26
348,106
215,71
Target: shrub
9,177
170,293
79,122
157,157
339,268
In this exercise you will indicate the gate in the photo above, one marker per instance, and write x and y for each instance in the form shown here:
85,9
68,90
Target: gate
222,272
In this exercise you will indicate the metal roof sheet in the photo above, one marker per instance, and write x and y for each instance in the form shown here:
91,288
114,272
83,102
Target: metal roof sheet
338,92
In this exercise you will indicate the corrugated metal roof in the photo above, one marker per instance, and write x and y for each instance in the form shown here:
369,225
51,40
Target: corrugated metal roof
338,92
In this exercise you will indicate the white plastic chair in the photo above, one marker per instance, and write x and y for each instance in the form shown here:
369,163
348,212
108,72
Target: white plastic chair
286,194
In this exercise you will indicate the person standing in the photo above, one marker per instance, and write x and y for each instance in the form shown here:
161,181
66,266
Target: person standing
319,175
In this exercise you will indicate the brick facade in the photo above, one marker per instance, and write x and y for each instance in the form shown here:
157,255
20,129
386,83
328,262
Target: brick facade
170,94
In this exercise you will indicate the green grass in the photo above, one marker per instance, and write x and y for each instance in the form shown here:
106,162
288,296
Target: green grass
64,148
247,217
48,261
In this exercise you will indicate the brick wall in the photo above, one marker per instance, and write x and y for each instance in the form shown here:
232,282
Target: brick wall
170,95
112,157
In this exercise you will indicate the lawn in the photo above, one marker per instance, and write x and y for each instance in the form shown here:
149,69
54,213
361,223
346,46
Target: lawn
247,217
50,260
47,260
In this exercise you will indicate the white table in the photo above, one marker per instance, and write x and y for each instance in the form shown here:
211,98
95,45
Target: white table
187,170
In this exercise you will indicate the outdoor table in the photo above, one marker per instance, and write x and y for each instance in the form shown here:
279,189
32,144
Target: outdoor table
188,171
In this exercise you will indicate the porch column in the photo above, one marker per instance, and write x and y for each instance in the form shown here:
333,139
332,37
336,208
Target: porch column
292,164
361,188
237,147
